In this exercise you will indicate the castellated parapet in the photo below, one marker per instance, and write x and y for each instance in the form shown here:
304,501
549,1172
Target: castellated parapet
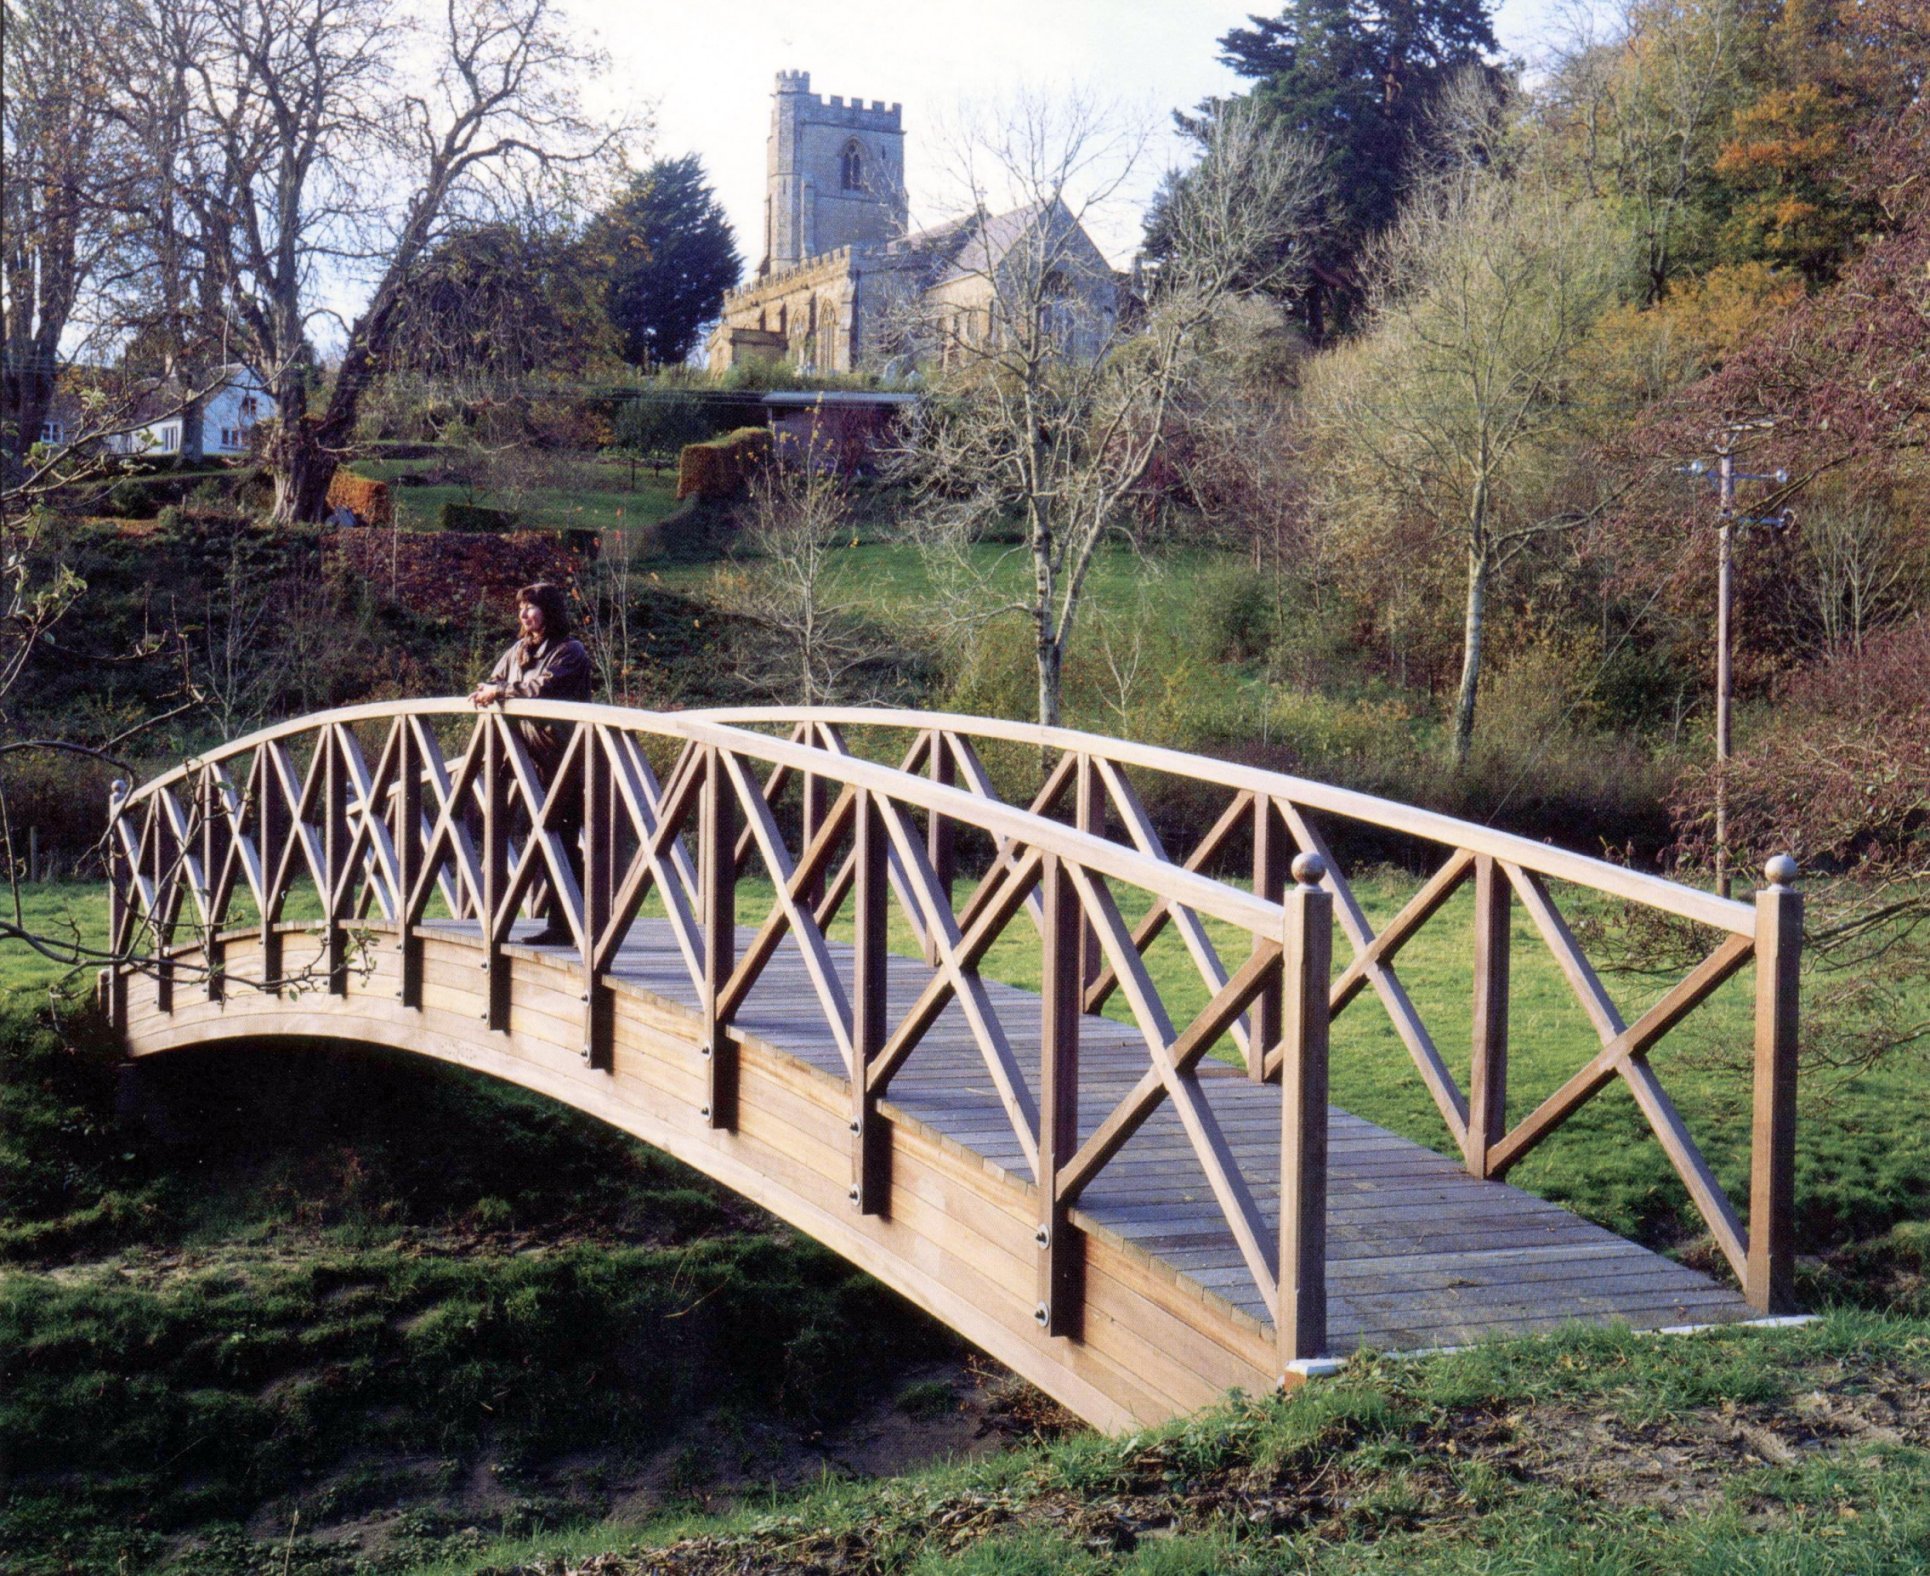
835,171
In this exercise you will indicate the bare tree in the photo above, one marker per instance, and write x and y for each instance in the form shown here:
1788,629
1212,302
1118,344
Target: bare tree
333,143
1866,568
1052,386
1455,403
62,201
793,522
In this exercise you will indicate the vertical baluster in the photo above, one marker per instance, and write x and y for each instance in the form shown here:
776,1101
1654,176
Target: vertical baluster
599,875
717,882
1488,1067
409,857
338,882
1306,959
273,826
495,871
1062,993
165,854
870,1155
817,803
119,910
1090,816
1271,848
941,836
1770,1283
216,834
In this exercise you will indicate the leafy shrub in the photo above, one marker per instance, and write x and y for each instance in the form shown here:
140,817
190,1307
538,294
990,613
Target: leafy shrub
1234,612
474,517
128,499
1839,774
659,424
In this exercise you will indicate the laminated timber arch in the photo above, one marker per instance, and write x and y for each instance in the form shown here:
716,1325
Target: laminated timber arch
1135,1194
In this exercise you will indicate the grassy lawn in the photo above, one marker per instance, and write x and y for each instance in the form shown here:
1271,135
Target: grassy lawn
326,1311
600,499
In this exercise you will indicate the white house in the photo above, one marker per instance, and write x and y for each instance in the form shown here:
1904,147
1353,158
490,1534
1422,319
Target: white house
215,426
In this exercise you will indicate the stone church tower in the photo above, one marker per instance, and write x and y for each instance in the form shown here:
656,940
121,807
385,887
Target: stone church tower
836,174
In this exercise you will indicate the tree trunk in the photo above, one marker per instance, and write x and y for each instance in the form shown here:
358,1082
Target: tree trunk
1479,570
302,469
1050,660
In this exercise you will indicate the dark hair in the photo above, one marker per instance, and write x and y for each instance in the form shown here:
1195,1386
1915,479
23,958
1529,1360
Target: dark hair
548,600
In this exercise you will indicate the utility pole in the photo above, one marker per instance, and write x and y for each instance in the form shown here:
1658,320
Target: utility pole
1725,605
1725,479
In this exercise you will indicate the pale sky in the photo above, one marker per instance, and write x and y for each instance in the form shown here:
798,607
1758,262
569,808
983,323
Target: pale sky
708,68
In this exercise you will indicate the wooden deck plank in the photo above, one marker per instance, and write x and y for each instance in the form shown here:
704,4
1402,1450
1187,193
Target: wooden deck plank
1419,1253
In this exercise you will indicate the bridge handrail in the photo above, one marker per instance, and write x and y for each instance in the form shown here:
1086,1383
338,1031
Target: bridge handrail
1657,892
1230,904
419,821
1501,867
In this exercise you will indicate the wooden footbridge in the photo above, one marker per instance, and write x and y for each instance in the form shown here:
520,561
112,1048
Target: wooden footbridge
1125,1182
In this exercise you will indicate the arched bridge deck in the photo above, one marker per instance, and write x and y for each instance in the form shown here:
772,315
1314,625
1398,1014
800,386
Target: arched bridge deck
1104,1205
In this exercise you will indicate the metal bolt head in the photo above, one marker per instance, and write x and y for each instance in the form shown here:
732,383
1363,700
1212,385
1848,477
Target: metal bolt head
852,1193
1043,1314
1309,869
1042,1237
1781,870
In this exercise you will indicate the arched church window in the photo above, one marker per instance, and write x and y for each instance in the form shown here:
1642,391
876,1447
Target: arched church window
851,167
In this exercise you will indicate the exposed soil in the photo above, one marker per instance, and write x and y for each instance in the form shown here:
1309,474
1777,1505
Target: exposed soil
1683,1466
372,1507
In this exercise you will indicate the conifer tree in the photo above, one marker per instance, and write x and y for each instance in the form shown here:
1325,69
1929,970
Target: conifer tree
669,256
1358,77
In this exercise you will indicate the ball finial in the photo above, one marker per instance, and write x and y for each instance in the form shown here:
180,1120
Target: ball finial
1781,870
1309,869
119,789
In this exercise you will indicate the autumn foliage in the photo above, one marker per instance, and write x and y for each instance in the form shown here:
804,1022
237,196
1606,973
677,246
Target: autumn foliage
1840,773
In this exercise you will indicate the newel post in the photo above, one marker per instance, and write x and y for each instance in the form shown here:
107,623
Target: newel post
1770,1284
1306,967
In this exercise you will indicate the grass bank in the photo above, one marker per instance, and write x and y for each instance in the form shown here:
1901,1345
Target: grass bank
1597,1452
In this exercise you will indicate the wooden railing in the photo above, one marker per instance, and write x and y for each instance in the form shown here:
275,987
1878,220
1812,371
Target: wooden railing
375,814
370,816
1091,780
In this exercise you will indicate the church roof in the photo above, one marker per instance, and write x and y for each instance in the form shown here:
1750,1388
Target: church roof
978,243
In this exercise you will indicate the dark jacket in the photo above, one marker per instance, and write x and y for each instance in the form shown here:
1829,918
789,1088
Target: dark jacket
551,670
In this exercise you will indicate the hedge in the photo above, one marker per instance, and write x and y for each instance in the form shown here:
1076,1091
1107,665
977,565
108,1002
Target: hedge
368,499
717,469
